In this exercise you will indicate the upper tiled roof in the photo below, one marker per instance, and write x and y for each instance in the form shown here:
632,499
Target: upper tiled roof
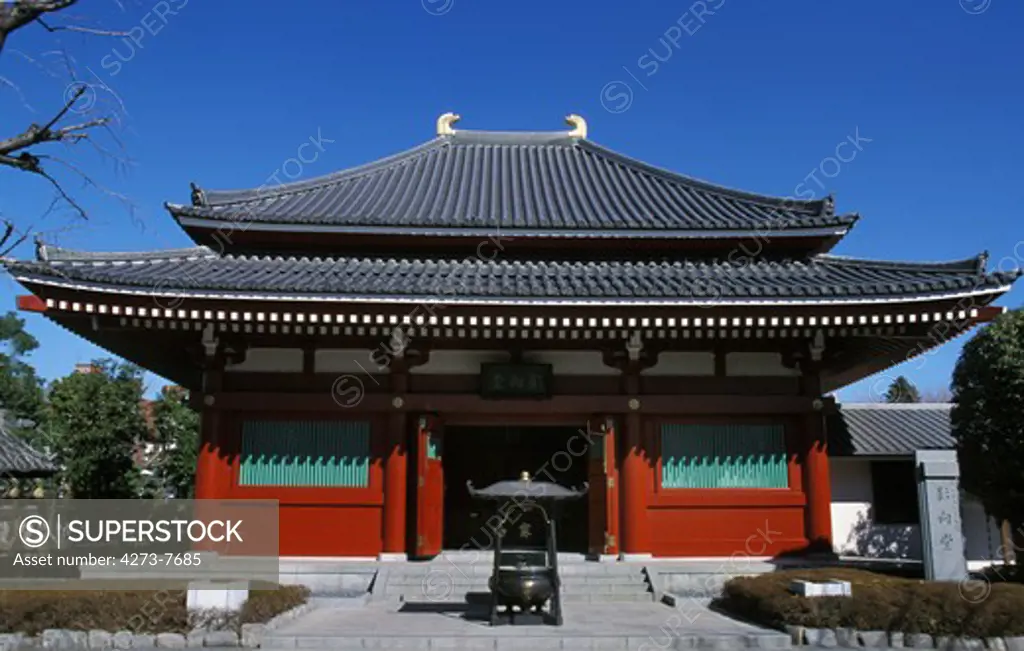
819,279
521,182
890,429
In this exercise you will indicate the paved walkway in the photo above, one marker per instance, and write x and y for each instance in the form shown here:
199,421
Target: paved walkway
648,626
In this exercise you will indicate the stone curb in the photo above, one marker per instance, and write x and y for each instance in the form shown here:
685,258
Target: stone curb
847,638
59,639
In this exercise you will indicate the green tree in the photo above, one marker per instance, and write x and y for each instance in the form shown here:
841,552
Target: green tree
96,423
902,390
21,391
988,390
176,426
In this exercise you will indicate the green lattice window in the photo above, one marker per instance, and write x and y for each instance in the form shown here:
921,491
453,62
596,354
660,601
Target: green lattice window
723,456
305,453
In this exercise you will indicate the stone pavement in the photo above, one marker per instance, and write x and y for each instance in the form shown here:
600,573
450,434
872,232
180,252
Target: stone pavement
620,627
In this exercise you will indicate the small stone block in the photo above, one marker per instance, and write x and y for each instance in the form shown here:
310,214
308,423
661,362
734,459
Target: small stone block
252,635
945,643
918,641
143,641
995,644
821,637
796,634
722,642
79,639
873,639
194,639
527,643
402,643
1014,643
12,641
896,639
972,643
122,640
847,638
471,643
681,643
100,640
170,641
772,642
220,639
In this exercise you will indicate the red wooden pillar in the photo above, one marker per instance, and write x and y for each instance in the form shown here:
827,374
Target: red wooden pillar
816,480
636,475
817,485
209,467
395,469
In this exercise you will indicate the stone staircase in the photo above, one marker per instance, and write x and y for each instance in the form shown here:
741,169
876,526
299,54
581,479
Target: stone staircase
448,581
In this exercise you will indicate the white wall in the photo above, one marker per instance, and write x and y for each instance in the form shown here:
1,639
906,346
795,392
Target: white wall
854,534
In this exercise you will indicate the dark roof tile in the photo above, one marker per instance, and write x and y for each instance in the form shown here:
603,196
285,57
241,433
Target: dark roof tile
515,182
889,429
200,270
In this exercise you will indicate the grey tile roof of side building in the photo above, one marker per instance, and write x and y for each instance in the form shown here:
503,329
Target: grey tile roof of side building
889,429
19,459
200,271
515,181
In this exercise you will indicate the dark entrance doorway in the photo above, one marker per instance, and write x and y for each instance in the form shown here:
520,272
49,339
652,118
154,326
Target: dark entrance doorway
488,454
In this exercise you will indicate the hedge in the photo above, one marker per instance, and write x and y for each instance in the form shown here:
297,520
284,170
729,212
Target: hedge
879,603
139,611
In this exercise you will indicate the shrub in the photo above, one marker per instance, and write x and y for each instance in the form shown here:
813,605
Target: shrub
139,611
879,603
264,605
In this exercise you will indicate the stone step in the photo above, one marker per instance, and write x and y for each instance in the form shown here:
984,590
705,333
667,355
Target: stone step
568,598
768,641
457,577
463,589
484,567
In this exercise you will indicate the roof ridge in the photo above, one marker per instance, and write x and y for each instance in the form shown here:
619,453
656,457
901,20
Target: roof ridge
974,265
248,194
50,253
819,206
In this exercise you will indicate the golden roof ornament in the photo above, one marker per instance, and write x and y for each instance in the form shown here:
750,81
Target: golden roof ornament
524,476
578,124
445,122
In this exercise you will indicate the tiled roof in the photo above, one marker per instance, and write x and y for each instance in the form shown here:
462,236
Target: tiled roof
821,278
19,459
889,429
516,181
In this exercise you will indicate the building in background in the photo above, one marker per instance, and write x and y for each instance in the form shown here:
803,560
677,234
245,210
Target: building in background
487,303
874,482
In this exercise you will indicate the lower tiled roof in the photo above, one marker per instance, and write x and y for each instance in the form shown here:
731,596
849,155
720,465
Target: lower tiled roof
889,429
822,278
19,459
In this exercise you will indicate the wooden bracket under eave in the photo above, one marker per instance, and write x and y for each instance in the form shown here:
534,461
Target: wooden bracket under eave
30,303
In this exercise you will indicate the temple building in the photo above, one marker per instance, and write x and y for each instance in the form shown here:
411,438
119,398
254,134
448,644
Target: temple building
362,344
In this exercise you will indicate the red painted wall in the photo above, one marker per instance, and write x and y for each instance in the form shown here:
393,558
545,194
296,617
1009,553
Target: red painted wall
726,522
313,521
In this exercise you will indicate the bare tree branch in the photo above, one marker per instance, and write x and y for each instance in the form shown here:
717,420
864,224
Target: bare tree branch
17,14
19,151
36,134
79,28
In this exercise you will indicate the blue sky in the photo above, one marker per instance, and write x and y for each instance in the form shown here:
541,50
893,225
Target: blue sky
755,95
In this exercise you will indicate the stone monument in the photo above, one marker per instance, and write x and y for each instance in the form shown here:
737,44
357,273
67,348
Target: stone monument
938,491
